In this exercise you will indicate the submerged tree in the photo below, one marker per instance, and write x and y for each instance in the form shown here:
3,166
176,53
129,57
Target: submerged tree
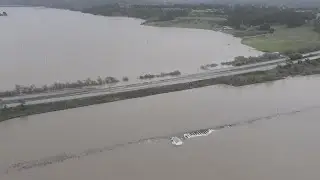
100,81
125,79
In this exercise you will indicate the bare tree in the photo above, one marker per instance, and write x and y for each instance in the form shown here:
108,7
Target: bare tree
100,81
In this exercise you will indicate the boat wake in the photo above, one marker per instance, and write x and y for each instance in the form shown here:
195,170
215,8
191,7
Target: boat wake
175,139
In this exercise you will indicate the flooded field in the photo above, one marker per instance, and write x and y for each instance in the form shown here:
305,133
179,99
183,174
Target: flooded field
265,131
41,46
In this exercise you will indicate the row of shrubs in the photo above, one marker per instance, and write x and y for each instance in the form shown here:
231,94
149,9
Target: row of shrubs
243,33
208,66
151,76
304,50
307,67
241,60
295,56
32,89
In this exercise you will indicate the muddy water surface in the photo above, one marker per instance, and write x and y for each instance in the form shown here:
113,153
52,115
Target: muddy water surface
282,145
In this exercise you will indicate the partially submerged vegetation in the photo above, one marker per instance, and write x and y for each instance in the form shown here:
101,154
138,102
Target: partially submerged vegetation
208,66
306,67
295,56
125,79
290,55
32,89
161,75
241,60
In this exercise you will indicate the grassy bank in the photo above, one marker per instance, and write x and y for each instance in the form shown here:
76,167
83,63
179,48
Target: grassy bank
285,39
207,23
301,68
282,40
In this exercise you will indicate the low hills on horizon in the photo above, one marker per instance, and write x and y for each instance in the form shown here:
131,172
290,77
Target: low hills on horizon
79,4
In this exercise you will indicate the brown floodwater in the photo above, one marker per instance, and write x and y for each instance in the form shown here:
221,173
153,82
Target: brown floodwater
41,46
103,140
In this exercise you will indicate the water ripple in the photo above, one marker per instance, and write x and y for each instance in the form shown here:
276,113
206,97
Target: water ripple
25,165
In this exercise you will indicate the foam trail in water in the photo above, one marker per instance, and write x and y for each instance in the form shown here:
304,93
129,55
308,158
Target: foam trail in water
24,165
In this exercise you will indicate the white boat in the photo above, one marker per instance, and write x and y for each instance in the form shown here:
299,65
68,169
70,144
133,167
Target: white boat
176,141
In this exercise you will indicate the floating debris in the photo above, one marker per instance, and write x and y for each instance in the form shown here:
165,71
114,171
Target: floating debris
176,141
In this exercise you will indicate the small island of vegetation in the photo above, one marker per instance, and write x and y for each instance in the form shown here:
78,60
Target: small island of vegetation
208,66
161,75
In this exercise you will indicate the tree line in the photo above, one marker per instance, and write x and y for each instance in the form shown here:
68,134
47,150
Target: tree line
238,16
162,13
208,66
32,89
151,76
256,15
241,60
306,67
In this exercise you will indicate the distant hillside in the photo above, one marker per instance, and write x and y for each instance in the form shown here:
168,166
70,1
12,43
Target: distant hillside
78,4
